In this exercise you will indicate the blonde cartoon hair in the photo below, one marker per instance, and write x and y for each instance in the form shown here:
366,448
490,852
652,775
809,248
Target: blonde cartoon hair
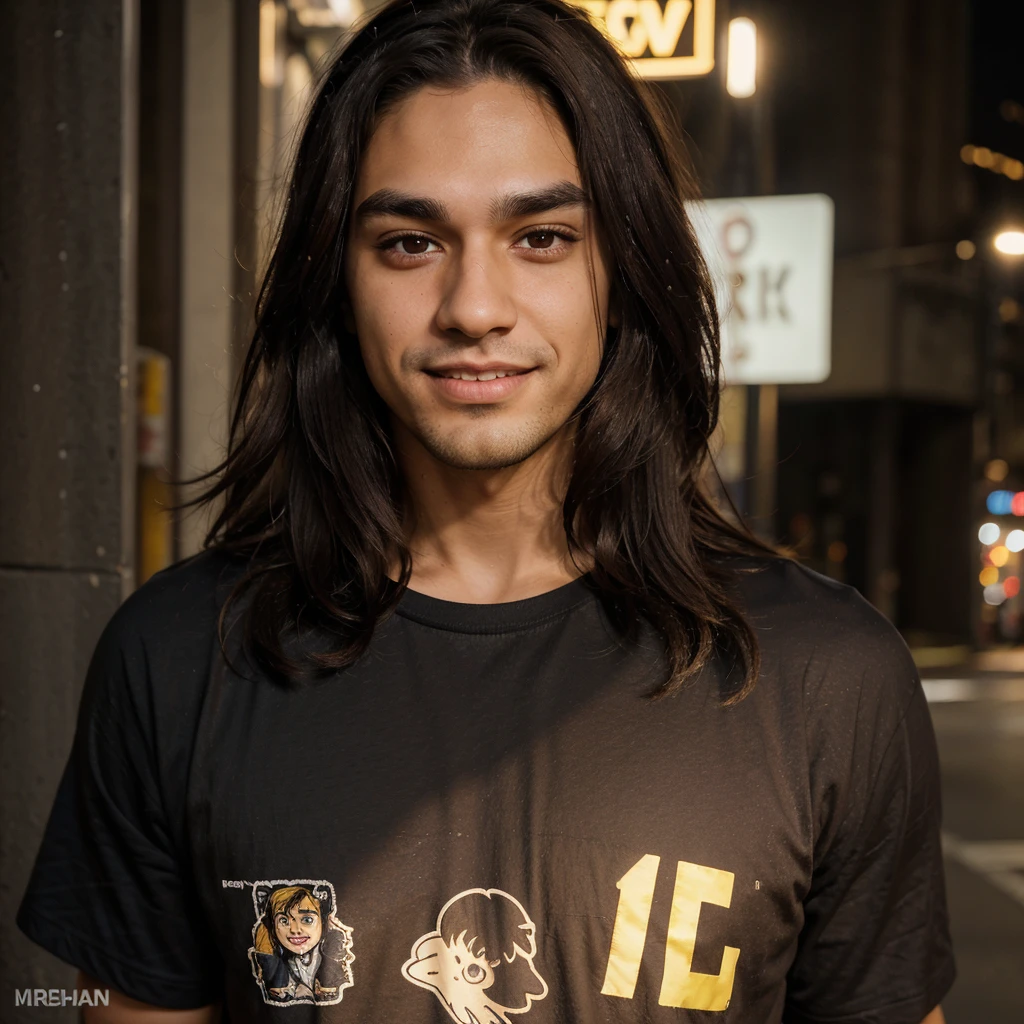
280,901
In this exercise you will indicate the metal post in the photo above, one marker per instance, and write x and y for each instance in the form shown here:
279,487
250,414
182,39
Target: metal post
752,172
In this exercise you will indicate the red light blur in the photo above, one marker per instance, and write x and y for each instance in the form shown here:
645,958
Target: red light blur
1011,586
1017,504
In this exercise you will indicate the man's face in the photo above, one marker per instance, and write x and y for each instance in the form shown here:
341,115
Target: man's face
298,929
479,292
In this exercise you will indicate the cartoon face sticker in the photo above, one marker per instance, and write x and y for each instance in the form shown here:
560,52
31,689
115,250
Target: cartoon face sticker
298,926
479,961
301,952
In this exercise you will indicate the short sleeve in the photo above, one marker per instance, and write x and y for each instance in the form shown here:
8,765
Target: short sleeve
111,892
875,945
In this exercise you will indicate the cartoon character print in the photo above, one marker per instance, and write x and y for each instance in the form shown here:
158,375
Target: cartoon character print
301,952
479,961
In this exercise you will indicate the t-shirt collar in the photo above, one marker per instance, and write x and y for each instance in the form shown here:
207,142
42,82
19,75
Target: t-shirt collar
507,617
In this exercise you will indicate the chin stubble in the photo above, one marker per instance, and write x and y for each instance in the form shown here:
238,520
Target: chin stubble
499,453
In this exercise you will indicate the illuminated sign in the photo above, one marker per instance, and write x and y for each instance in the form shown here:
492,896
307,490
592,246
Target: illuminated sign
664,38
771,260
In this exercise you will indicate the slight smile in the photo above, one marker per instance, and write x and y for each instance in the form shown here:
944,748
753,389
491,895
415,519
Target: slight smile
298,940
479,384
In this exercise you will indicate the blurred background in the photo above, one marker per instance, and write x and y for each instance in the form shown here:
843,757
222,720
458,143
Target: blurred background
864,165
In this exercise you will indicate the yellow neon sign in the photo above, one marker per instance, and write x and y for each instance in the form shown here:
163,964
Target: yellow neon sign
653,34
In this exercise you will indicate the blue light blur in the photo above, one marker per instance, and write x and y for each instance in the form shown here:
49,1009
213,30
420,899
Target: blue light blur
999,502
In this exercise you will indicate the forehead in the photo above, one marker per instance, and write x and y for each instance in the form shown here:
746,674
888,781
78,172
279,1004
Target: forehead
467,145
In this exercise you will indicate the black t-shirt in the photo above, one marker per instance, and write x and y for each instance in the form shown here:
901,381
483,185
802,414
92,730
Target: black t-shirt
486,819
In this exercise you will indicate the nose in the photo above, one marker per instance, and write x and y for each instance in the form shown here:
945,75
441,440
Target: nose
477,298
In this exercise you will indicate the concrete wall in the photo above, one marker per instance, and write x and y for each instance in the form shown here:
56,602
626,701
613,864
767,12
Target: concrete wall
207,244
67,178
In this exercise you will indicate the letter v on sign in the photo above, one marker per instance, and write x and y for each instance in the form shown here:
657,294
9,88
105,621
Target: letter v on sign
664,27
649,26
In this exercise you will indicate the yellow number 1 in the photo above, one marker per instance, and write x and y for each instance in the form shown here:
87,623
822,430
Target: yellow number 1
680,985
636,890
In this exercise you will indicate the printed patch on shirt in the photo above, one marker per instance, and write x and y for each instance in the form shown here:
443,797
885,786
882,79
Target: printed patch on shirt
301,952
479,960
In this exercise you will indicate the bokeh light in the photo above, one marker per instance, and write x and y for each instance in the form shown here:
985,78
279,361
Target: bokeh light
837,551
989,533
1009,243
998,502
996,470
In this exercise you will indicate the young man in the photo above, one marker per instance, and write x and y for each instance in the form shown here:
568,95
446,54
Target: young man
475,709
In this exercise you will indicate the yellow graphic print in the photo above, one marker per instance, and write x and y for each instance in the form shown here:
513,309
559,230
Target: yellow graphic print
680,985
479,960
636,888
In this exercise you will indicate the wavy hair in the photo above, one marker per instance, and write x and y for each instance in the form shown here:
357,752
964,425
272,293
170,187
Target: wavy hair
312,494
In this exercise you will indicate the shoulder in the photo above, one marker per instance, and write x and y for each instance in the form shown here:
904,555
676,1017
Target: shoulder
839,644
179,603
783,597
161,639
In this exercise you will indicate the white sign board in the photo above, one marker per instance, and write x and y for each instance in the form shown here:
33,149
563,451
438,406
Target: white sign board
771,258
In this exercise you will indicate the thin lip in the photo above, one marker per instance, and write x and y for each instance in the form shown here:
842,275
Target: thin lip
478,369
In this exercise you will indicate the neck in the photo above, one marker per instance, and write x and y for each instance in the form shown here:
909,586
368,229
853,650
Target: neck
487,536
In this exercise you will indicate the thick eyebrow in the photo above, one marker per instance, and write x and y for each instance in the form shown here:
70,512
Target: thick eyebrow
390,202
528,204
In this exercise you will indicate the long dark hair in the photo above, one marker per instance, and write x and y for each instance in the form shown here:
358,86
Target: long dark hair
312,493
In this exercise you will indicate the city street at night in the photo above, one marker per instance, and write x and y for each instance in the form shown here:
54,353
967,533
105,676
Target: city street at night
501,502
979,723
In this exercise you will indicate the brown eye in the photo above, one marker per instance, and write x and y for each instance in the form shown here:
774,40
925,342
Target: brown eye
413,246
541,239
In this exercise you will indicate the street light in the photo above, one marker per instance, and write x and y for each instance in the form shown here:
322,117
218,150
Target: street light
741,61
1009,242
